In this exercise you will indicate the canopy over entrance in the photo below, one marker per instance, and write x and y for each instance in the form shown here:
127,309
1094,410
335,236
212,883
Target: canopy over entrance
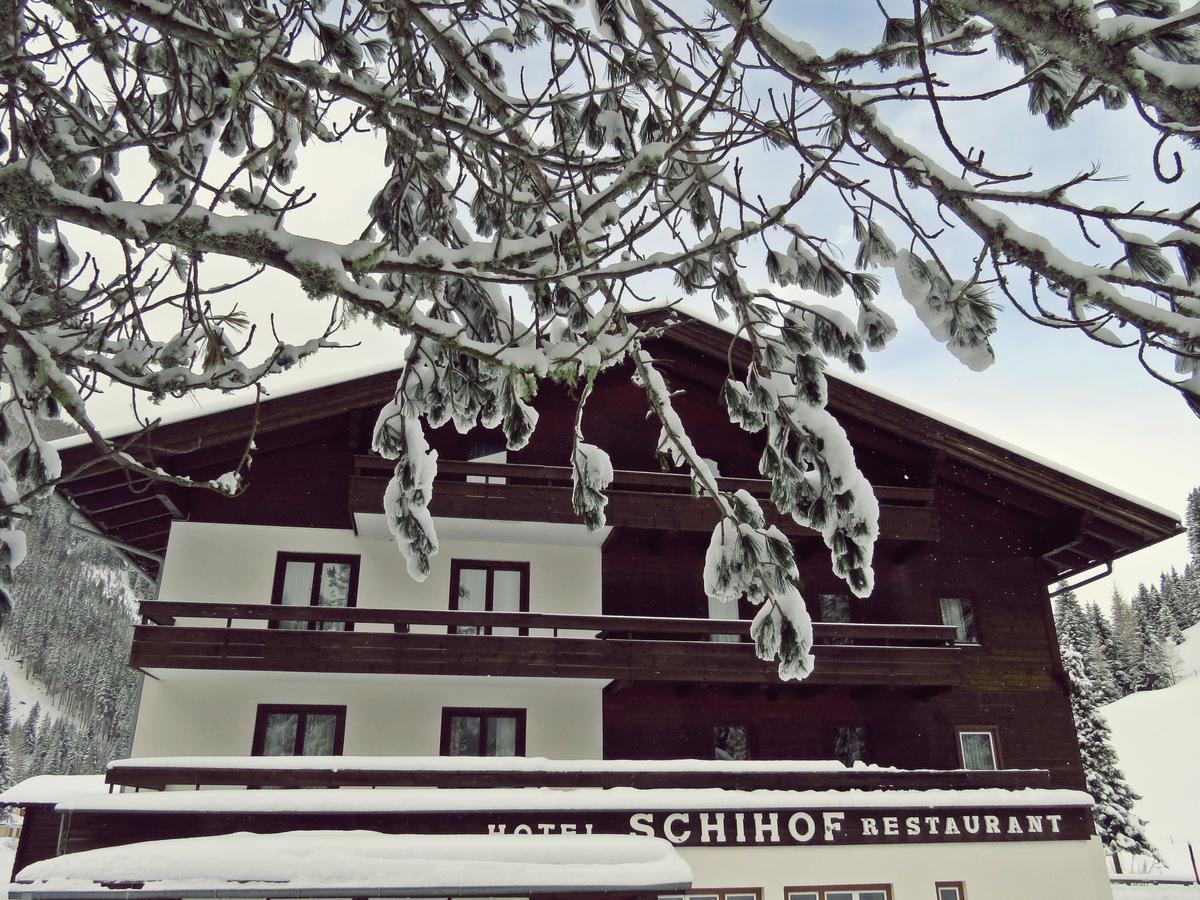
363,864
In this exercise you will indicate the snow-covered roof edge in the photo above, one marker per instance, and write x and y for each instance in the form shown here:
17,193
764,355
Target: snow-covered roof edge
225,403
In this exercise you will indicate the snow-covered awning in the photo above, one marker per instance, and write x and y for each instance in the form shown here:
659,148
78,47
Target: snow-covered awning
50,789
359,864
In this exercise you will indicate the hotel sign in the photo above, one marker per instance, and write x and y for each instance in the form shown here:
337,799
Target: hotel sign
799,827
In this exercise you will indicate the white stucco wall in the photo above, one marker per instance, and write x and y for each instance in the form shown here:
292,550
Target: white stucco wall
1048,870
192,712
196,713
220,563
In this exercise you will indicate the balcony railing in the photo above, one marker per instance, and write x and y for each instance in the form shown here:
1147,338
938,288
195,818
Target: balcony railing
516,772
451,642
527,493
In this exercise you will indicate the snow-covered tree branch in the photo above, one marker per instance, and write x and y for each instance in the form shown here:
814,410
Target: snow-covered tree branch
531,172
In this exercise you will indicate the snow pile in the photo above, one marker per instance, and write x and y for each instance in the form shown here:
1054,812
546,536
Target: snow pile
1156,892
1156,735
54,789
511,864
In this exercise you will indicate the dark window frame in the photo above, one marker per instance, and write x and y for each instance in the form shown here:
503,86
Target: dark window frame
303,710
822,889
992,730
283,557
969,597
833,735
750,742
483,713
491,566
959,886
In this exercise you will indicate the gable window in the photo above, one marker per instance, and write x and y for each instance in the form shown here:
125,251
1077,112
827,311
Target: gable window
487,447
850,744
479,586
951,890
315,579
977,748
841,892
957,611
731,742
483,732
723,610
835,608
299,730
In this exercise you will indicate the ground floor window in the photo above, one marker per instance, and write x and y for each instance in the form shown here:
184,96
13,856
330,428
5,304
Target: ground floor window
299,730
841,892
731,742
951,890
720,894
483,732
977,748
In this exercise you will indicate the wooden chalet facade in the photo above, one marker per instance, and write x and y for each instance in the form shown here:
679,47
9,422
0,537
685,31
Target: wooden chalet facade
285,626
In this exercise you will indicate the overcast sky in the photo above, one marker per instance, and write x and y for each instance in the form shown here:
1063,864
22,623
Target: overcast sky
1057,394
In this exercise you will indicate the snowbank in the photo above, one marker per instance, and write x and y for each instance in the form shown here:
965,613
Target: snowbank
1156,734
371,863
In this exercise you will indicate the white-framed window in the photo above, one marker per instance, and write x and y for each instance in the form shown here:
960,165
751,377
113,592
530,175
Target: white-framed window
951,890
841,892
977,749
957,611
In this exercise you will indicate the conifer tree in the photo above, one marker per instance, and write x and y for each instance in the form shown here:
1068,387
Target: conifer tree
5,706
1128,643
6,764
1106,651
1192,521
31,729
1119,828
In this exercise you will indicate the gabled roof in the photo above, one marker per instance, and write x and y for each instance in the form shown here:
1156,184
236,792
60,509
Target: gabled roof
1097,522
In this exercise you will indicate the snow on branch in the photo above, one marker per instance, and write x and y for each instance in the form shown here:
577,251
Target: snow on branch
196,197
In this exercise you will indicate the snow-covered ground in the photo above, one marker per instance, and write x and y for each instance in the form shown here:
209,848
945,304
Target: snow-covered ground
1157,737
1155,892
25,691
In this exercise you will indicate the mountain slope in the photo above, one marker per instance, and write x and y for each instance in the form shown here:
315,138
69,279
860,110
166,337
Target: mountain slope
1157,737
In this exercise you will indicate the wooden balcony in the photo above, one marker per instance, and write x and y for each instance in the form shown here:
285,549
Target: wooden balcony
433,642
515,772
635,499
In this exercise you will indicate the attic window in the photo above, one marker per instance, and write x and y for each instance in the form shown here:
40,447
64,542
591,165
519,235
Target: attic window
487,447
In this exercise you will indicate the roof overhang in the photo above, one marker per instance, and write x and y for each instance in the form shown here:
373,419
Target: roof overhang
1093,523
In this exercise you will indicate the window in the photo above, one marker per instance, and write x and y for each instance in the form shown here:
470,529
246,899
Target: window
977,748
299,730
487,447
841,892
726,894
483,732
957,611
315,579
850,743
835,608
731,742
477,586
723,610
951,890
